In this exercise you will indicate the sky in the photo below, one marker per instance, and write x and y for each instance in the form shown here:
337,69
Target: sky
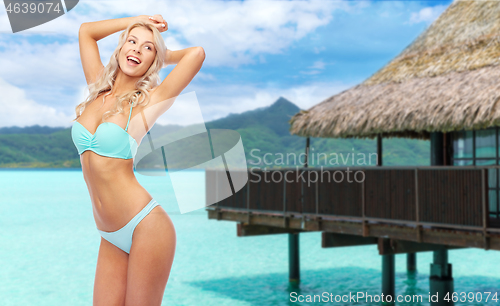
255,52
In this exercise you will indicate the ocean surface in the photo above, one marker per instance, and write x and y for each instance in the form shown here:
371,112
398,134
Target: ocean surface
49,245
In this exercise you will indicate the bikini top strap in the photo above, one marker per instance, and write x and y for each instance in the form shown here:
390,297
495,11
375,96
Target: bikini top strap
130,114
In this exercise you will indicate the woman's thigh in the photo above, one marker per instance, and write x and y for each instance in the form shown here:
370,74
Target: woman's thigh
150,260
110,283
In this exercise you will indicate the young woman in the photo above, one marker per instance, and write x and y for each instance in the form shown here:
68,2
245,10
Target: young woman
138,237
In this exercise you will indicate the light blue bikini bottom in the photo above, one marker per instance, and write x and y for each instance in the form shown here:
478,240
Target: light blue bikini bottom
122,238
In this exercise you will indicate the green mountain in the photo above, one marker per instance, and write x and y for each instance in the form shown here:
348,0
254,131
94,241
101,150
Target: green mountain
264,132
29,150
34,129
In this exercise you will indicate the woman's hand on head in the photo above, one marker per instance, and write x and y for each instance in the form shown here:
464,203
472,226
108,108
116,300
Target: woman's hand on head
157,20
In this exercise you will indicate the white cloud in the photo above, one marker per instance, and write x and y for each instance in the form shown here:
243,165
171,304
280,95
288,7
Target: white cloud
218,101
311,72
45,62
317,50
231,32
385,14
318,65
427,14
18,110
205,76
46,65
308,95
315,68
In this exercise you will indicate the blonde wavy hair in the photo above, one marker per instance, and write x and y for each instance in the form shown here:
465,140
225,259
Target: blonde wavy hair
107,77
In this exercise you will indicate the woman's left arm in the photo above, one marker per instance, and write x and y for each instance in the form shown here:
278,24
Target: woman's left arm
173,57
189,62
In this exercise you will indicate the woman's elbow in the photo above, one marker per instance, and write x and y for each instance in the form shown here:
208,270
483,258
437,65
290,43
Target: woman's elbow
83,28
201,52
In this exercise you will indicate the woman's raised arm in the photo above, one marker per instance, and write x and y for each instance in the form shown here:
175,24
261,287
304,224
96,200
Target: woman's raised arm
189,62
173,57
91,32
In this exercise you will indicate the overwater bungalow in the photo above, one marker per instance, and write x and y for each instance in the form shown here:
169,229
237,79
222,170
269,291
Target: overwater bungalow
444,87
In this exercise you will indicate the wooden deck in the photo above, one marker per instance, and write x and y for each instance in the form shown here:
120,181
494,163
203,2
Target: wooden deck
442,205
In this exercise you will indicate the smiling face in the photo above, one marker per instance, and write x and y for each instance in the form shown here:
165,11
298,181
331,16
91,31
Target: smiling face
138,52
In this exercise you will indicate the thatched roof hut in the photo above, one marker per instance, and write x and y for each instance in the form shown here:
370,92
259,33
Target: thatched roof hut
448,79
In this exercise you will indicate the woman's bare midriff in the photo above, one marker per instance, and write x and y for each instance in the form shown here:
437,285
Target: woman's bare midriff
115,193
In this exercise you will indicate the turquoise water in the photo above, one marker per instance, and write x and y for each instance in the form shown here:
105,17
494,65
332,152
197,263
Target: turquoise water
49,245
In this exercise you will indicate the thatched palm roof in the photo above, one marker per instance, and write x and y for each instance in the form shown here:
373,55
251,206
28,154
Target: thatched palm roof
447,79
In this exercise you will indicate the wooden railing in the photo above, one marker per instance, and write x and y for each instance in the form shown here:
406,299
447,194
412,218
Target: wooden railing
438,196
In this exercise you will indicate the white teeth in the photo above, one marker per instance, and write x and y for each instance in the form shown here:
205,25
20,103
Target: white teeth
134,59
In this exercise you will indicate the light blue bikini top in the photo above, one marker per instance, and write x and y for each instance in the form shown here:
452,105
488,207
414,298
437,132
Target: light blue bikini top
108,140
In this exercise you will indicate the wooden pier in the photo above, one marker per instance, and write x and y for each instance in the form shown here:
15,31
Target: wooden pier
434,204
402,210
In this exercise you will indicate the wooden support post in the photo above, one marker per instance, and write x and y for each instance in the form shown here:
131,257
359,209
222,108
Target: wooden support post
486,240
440,278
379,150
306,164
437,154
363,210
417,209
388,261
293,259
293,237
306,159
388,276
411,262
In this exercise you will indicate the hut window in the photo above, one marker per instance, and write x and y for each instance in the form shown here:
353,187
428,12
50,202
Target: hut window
486,144
493,193
481,147
462,148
